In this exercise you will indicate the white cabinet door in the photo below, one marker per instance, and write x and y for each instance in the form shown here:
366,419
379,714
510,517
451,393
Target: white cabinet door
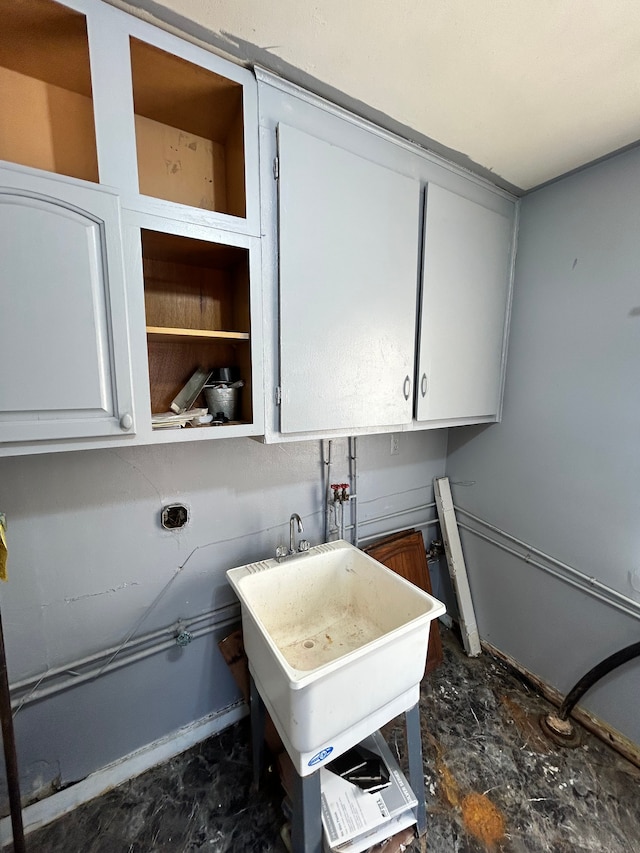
465,293
63,327
349,232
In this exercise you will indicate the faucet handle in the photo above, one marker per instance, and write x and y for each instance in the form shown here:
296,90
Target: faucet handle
303,545
281,552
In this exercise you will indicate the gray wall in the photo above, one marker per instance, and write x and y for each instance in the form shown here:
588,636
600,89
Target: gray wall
88,559
562,471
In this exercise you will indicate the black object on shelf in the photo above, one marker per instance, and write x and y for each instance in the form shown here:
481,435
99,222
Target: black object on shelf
224,374
363,768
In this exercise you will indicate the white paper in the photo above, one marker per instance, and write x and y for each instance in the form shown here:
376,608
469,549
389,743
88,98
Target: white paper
355,820
348,811
377,835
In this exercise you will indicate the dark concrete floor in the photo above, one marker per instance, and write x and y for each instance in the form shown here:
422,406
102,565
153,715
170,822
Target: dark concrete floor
494,784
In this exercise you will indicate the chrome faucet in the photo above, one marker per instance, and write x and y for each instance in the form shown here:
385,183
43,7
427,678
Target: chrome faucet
292,535
303,546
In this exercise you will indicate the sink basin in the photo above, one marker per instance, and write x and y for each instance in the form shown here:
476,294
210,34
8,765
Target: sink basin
337,645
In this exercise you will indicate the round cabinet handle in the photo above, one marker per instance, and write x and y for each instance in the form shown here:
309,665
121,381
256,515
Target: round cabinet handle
406,388
126,421
423,384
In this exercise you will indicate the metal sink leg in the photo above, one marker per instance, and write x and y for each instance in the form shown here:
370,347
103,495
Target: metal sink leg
256,706
306,825
416,771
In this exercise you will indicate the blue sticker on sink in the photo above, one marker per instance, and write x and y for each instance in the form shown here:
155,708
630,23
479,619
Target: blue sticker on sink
321,756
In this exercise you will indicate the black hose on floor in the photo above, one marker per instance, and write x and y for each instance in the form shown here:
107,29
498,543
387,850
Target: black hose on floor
556,725
595,674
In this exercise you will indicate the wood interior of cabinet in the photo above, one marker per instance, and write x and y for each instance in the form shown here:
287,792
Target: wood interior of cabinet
197,313
172,364
189,132
45,90
405,554
195,298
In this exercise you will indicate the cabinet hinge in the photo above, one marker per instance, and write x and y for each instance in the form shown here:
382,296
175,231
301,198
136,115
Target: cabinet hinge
276,168
278,396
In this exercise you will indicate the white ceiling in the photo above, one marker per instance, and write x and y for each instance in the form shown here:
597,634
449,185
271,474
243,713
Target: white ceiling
527,89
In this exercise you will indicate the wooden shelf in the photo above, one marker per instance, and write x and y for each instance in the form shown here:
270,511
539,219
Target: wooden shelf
170,334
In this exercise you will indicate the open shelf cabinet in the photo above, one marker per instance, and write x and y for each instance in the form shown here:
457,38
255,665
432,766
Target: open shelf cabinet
197,307
189,132
45,90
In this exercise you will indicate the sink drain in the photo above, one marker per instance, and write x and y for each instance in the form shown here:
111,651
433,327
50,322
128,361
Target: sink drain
309,644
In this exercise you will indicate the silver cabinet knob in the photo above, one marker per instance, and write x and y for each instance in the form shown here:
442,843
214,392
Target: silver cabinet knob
406,388
423,384
126,421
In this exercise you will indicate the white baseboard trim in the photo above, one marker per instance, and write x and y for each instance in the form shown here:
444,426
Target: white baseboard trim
41,813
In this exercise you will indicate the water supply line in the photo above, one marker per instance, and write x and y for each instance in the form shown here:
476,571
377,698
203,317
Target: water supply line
326,471
88,668
557,726
334,523
353,480
337,494
357,539
563,571
428,523
329,529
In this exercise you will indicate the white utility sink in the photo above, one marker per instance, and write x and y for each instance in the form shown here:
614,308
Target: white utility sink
337,645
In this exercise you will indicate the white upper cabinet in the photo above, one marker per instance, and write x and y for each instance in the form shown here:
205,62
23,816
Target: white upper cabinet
103,112
387,276
63,324
176,125
465,298
348,272
269,236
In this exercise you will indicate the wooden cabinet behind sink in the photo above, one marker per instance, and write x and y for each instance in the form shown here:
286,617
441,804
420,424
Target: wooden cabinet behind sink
404,553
